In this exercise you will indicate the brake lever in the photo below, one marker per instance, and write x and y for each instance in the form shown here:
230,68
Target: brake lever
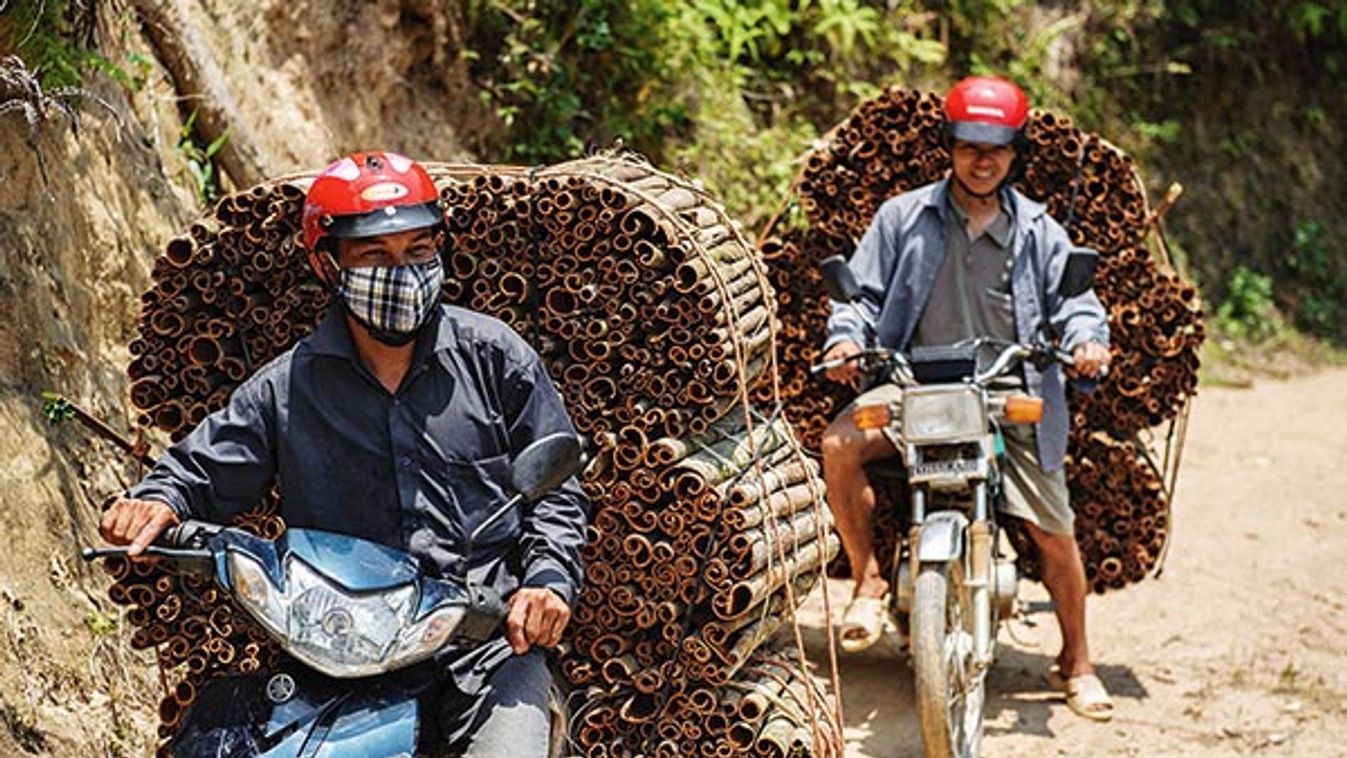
151,551
182,544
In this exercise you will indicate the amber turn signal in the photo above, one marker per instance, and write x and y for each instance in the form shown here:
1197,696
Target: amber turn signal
872,417
1023,409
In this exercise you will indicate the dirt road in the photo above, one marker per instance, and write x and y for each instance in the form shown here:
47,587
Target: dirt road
1239,649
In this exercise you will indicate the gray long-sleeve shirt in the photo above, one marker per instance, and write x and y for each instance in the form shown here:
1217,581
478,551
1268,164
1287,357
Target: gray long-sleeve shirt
418,469
896,263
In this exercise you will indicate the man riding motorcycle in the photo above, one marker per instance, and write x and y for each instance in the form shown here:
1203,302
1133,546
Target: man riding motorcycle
964,258
396,421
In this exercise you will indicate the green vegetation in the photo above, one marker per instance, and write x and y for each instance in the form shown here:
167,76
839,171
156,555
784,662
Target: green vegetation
1248,311
55,408
1320,284
729,91
100,624
734,93
54,37
200,160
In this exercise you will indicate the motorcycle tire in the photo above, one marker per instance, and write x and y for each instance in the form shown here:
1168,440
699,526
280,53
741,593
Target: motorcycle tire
950,692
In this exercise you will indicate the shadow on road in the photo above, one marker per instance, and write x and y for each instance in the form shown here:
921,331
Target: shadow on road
1019,699
879,703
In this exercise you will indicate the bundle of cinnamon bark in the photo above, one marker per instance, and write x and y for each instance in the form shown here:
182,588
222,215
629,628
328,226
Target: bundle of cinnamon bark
655,319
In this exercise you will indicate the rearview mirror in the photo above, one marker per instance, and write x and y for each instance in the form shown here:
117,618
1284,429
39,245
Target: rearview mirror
838,279
545,463
1079,274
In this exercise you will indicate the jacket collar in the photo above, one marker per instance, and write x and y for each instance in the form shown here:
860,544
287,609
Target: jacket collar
1024,212
333,336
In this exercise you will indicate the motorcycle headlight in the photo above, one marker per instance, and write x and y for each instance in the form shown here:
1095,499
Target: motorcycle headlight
941,414
335,631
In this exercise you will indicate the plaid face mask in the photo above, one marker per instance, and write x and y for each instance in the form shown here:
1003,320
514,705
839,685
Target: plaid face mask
393,300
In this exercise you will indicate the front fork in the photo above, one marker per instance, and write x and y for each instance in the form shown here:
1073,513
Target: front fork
980,565
981,573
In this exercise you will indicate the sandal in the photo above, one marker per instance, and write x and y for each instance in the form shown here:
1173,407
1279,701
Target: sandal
1085,695
863,623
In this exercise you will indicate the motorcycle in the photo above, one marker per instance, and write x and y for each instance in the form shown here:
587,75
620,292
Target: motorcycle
953,584
358,615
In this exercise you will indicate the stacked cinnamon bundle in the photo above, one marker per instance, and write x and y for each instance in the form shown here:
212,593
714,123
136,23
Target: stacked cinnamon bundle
894,143
657,323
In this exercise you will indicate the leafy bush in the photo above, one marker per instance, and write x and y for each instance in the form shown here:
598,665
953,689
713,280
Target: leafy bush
732,89
1248,311
55,38
1321,286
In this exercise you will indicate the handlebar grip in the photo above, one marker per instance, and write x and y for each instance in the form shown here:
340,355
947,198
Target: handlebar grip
834,363
171,537
1066,359
187,534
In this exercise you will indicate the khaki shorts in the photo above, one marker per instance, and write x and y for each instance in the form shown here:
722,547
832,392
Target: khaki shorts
1030,493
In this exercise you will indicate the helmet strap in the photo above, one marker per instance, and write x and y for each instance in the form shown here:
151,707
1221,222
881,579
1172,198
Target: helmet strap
330,272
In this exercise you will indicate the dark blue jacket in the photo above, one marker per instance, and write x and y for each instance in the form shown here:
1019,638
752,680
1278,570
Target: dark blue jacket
417,469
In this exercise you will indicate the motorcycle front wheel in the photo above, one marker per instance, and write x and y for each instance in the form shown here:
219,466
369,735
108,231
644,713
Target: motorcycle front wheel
950,686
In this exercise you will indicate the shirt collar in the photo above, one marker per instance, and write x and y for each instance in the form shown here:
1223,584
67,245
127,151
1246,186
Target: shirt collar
1001,227
333,336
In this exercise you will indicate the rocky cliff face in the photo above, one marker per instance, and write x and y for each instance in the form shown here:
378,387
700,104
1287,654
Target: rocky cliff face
294,84
74,255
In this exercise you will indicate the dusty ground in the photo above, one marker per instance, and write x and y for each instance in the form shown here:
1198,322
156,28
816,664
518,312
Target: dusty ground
1237,650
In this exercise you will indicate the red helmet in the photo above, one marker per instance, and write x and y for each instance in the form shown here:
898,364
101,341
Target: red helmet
369,194
986,109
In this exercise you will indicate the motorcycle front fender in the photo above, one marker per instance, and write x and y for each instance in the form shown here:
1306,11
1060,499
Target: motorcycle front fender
942,537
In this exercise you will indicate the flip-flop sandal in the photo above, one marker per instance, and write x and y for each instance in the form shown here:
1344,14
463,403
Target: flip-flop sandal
863,623
1087,698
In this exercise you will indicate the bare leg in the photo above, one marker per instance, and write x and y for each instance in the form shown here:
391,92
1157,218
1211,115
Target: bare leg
846,450
1064,576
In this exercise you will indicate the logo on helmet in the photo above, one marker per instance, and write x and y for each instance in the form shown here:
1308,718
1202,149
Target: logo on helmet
982,110
384,191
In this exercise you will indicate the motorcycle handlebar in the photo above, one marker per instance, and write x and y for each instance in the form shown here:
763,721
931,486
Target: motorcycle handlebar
1016,351
1008,356
184,543
881,353
151,551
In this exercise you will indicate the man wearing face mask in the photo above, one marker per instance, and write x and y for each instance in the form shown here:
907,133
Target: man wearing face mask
396,421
